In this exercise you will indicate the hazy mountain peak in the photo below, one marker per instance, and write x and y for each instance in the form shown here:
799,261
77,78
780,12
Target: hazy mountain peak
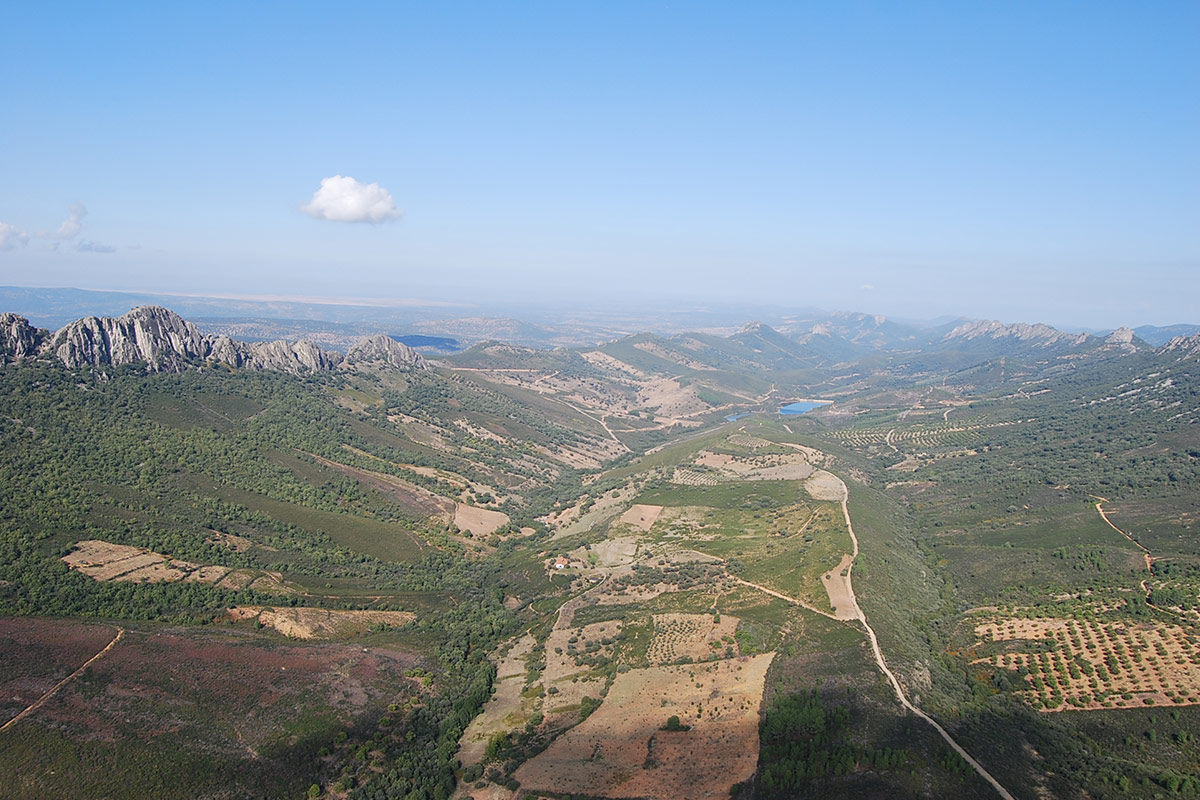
382,350
1038,333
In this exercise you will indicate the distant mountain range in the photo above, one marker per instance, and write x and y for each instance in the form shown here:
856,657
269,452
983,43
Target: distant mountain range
445,328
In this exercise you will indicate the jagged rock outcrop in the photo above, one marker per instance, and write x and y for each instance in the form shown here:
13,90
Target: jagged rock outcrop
165,342
293,357
1038,335
383,352
1122,339
1183,346
18,339
152,335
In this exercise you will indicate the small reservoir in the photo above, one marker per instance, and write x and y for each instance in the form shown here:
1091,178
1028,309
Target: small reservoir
736,417
803,406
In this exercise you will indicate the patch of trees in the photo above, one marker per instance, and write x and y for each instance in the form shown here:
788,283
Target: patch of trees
805,739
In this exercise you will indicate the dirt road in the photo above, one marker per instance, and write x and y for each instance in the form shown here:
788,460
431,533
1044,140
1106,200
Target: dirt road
881,662
42,700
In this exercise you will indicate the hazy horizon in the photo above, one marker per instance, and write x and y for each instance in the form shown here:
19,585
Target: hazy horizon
1028,163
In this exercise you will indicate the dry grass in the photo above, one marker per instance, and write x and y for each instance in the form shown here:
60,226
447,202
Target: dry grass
825,486
694,637
837,586
506,709
479,521
320,623
642,516
105,561
620,751
570,680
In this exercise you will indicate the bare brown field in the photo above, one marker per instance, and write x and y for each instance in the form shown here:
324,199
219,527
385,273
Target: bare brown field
621,751
773,467
641,516
694,637
1093,665
566,680
319,623
837,586
105,561
825,486
479,521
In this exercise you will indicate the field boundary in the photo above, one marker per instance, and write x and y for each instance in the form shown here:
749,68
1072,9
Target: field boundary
41,700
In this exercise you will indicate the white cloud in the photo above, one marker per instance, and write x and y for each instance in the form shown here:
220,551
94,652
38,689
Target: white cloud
88,246
343,199
11,236
70,227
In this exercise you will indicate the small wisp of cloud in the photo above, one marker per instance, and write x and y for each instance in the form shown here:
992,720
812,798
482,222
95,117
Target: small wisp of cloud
70,227
88,246
11,236
343,199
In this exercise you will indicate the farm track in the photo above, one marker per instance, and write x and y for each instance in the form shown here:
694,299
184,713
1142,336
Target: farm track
1146,555
42,700
883,667
780,595
880,661
1104,517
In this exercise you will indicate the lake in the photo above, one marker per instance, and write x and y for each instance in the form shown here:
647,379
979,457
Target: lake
801,406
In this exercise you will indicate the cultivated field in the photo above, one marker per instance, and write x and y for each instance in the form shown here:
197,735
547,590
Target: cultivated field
1079,663
693,637
641,516
106,561
622,751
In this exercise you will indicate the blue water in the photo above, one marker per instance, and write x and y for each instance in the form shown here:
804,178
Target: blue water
736,417
791,409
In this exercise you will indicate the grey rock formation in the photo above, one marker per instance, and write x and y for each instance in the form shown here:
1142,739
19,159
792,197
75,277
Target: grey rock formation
152,335
165,342
1038,335
293,357
1122,339
18,339
1183,347
384,352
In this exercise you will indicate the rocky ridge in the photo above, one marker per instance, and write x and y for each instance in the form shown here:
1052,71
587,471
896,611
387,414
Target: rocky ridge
1183,346
165,342
1036,334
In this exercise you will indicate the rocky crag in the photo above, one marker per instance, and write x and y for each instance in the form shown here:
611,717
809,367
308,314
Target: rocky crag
165,342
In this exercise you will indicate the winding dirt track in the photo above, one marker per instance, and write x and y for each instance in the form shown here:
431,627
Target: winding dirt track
41,700
879,659
883,667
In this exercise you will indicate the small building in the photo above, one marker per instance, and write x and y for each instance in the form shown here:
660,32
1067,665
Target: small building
562,562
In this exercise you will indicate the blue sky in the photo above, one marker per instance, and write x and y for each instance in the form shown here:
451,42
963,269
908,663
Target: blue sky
1031,162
